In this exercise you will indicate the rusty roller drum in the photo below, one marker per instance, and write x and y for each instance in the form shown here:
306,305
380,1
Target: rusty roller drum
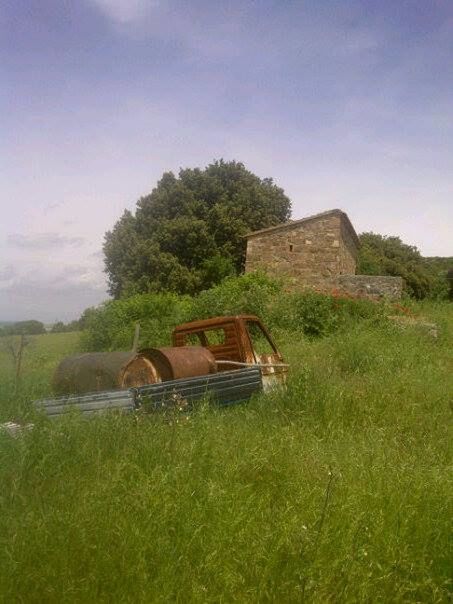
90,372
162,364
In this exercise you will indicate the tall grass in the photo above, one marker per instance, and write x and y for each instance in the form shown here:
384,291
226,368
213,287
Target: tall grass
40,356
337,489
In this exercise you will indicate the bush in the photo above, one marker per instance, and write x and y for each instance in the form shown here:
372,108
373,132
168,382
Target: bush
308,312
112,326
253,293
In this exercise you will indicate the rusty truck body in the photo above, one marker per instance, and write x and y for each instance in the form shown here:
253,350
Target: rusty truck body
209,346
235,341
223,353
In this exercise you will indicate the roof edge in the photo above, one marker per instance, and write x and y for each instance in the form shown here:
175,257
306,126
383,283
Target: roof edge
294,223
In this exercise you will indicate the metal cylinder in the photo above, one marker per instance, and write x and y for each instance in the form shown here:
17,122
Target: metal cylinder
162,364
90,372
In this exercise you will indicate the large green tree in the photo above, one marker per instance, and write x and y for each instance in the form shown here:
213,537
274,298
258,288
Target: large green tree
189,232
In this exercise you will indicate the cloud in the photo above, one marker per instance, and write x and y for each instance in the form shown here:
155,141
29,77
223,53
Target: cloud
48,294
50,207
125,11
6,273
43,241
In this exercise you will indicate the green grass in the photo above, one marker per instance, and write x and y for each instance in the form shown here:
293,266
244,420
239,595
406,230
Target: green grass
40,357
337,490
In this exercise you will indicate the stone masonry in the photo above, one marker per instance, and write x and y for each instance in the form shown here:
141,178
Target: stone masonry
369,286
319,252
311,249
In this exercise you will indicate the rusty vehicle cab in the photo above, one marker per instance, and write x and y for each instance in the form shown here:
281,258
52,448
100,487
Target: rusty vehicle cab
234,342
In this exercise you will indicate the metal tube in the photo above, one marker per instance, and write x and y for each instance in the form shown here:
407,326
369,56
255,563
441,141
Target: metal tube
219,362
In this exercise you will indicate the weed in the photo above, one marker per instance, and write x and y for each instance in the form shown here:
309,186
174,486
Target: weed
238,504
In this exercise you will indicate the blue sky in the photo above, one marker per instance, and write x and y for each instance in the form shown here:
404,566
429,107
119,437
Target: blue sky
346,104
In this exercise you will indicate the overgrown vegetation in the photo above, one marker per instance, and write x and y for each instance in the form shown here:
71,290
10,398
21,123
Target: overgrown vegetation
423,277
188,235
111,327
338,489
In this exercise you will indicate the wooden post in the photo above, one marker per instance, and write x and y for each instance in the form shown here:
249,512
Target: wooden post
19,363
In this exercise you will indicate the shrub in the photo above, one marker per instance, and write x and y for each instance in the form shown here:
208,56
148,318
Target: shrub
253,293
111,327
310,313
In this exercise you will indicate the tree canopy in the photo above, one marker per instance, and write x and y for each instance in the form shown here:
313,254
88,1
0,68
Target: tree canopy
31,327
423,277
188,234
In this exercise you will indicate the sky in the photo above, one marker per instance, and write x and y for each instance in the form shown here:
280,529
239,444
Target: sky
346,104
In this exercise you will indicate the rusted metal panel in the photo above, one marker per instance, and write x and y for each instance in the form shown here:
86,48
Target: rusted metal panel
232,348
238,345
154,365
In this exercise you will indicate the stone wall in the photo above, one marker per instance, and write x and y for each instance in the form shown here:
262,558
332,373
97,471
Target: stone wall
310,251
348,251
370,286
319,252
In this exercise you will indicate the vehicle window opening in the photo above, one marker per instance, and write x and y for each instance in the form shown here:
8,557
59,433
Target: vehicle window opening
215,337
194,339
260,342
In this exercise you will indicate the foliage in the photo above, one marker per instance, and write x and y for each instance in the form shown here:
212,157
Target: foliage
30,327
338,489
252,293
188,233
112,325
312,314
41,356
60,327
423,277
442,271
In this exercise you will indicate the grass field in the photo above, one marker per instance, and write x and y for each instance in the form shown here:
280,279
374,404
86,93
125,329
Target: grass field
337,490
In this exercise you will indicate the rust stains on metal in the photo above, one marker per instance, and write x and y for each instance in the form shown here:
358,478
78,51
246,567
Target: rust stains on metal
90,372
199,348
154,365
240,339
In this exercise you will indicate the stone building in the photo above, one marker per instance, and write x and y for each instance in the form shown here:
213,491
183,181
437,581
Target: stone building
318,251
313,248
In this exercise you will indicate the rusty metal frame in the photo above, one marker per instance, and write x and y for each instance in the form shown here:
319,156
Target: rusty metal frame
272,366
